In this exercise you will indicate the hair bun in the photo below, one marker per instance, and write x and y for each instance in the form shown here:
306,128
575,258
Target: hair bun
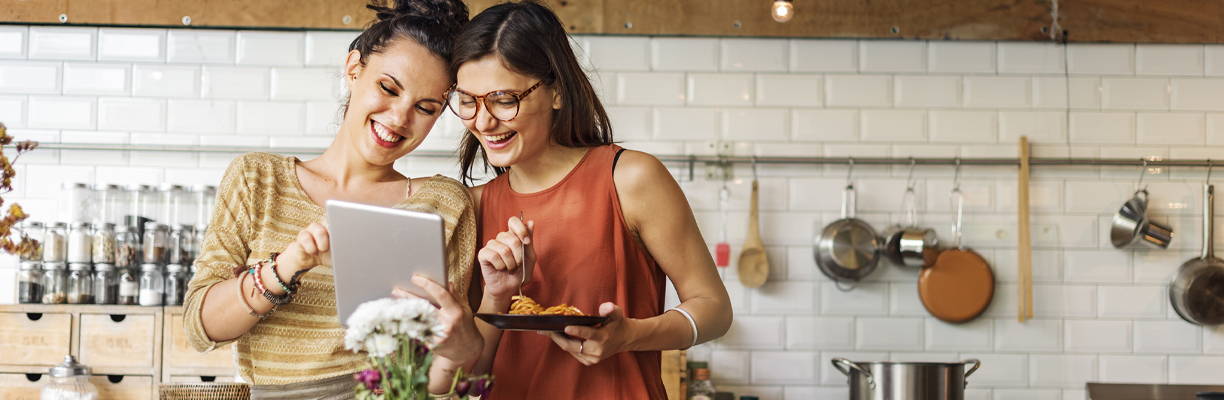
451,14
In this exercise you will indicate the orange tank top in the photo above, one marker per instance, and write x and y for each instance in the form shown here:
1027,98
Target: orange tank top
585,256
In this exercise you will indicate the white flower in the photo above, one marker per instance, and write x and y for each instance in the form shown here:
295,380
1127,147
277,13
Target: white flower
380,345
375,325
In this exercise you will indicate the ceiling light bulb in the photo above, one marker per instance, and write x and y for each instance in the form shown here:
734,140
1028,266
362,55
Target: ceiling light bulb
783,10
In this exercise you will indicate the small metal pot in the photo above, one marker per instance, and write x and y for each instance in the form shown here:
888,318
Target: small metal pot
909,245
906,380
1131,225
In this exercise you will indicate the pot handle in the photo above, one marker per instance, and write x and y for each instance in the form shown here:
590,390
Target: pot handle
976,364
845,366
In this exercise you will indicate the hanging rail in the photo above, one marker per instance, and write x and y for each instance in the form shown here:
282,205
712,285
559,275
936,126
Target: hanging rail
949,161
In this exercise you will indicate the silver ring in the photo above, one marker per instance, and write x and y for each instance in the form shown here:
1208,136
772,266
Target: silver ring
580,346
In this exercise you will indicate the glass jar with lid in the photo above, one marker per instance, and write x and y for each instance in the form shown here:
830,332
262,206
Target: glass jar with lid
181,243
176,284
35,231
55,243
80,243
80,284
30,282
205,199
55,283
127,247
106,284
143,203
78,202
152,285
129,287
104,243
113,204
69,381
156,243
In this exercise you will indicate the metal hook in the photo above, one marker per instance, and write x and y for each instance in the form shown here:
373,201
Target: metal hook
956,178
909,179
692,162
1210,165
754,168
1142,173
850,173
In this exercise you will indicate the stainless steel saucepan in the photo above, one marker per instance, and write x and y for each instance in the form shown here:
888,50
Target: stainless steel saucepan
1197,291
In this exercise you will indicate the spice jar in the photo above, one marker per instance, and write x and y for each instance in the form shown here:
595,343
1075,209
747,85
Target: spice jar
155,243
113,204
127,247
129,287
175,200
205,199
69,381
152,285
80,284
80,243
181,240
176,284
30,282
55,283
79,202
55,243
106,284
143,203
36,231
104,243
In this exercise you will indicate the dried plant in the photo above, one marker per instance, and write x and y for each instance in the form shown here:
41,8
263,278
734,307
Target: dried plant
24,246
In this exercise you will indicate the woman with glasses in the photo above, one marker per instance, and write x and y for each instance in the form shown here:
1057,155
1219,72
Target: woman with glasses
280,310
604,227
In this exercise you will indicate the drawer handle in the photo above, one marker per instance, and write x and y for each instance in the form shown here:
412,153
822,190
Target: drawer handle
33,377
114,378
34,316
118,317
208,379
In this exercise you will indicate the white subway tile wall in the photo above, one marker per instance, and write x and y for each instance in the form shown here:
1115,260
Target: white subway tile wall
1102,313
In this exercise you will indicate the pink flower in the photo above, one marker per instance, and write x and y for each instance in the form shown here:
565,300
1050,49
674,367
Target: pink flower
370,377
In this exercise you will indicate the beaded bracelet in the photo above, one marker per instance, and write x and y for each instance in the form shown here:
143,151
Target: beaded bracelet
251,310
289,288
276,300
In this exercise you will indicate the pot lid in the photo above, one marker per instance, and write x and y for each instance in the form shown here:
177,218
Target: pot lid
70,367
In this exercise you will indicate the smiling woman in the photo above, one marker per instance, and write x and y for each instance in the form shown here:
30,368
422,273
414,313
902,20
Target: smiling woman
265,279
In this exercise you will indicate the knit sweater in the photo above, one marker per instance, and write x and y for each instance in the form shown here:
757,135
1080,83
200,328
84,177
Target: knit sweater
260,209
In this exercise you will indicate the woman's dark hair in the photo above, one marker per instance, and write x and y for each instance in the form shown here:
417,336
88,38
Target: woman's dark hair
431,23
530,40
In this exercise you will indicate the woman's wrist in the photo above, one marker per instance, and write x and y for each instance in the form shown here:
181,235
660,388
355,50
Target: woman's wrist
495,304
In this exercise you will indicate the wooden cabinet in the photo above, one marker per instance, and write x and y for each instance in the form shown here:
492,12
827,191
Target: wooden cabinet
130,349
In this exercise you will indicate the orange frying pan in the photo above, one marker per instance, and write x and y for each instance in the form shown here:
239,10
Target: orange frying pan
960,285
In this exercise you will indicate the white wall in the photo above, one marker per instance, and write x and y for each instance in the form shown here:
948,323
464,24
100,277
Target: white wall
1101,313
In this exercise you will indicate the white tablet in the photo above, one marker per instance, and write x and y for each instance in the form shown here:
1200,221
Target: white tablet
375,249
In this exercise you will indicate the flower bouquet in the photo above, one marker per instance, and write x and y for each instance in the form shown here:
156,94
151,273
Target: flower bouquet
397,335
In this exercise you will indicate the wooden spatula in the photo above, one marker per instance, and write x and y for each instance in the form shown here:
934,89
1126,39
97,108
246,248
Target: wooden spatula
753,262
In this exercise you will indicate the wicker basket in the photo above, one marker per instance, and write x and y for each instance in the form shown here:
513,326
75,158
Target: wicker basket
205,391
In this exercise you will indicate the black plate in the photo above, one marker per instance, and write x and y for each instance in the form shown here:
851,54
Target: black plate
515,322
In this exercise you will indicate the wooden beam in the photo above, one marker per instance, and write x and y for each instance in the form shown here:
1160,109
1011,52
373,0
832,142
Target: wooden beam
1130,21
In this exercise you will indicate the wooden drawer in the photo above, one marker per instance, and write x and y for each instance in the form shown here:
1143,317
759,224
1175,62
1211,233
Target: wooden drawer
201,379
118,343
178,354
121,387
20,387
25,340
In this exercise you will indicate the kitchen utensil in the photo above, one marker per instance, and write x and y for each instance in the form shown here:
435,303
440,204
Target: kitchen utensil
1024,254
960,285
1131,224
906,380
526,268
722,250
753,262
1197,290
848,249
909,245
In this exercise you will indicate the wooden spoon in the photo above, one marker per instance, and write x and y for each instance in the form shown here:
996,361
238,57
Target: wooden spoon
753,262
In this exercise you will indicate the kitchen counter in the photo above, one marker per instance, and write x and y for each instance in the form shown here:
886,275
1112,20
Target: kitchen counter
1124,391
